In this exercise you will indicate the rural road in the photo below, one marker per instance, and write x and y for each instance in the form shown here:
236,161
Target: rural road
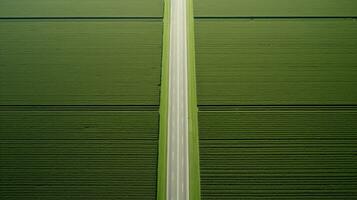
177,160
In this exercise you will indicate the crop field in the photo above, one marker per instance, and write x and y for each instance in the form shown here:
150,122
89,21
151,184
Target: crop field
276,85
71,58
79,99
286,154
276,62
275,8
81,8
85,99
81,154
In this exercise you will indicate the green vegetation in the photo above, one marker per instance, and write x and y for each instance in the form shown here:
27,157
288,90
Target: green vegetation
278,154
60,62
81,8
333,124
276,62
278,8
194,159
162,162
193,128
78,154
249,69
79,99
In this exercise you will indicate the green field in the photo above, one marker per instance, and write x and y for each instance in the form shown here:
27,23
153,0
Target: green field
81,8
278,154
275,8
334,125
61,62
78,154
276,62
276,85
84,99
79,99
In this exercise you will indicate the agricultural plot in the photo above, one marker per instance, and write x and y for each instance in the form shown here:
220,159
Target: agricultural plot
81,8
276,62
78,154
80,63
275,8
286,154
276,85
79,98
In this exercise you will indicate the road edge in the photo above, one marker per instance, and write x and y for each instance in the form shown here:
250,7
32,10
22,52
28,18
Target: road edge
194,155
163,123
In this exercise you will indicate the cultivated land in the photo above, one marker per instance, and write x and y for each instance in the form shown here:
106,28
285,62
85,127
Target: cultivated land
275,62
285,154
79,96
81,8
78,154
252,145
275,8
79,99
108,62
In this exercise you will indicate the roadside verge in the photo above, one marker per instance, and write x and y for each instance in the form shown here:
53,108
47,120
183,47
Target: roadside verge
162,157
194,156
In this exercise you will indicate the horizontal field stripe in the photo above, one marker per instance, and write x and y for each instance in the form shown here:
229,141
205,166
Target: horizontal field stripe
269,8
81,8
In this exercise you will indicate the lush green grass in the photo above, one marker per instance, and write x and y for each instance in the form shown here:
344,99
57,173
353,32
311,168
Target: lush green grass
263,8
60,62
78,155
194,158
81,8
278,154
258,62
164,98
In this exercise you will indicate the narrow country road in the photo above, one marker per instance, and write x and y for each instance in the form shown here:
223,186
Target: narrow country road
177,161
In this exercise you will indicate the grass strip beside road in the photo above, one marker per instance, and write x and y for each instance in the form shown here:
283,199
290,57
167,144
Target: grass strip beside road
194,156
162,158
